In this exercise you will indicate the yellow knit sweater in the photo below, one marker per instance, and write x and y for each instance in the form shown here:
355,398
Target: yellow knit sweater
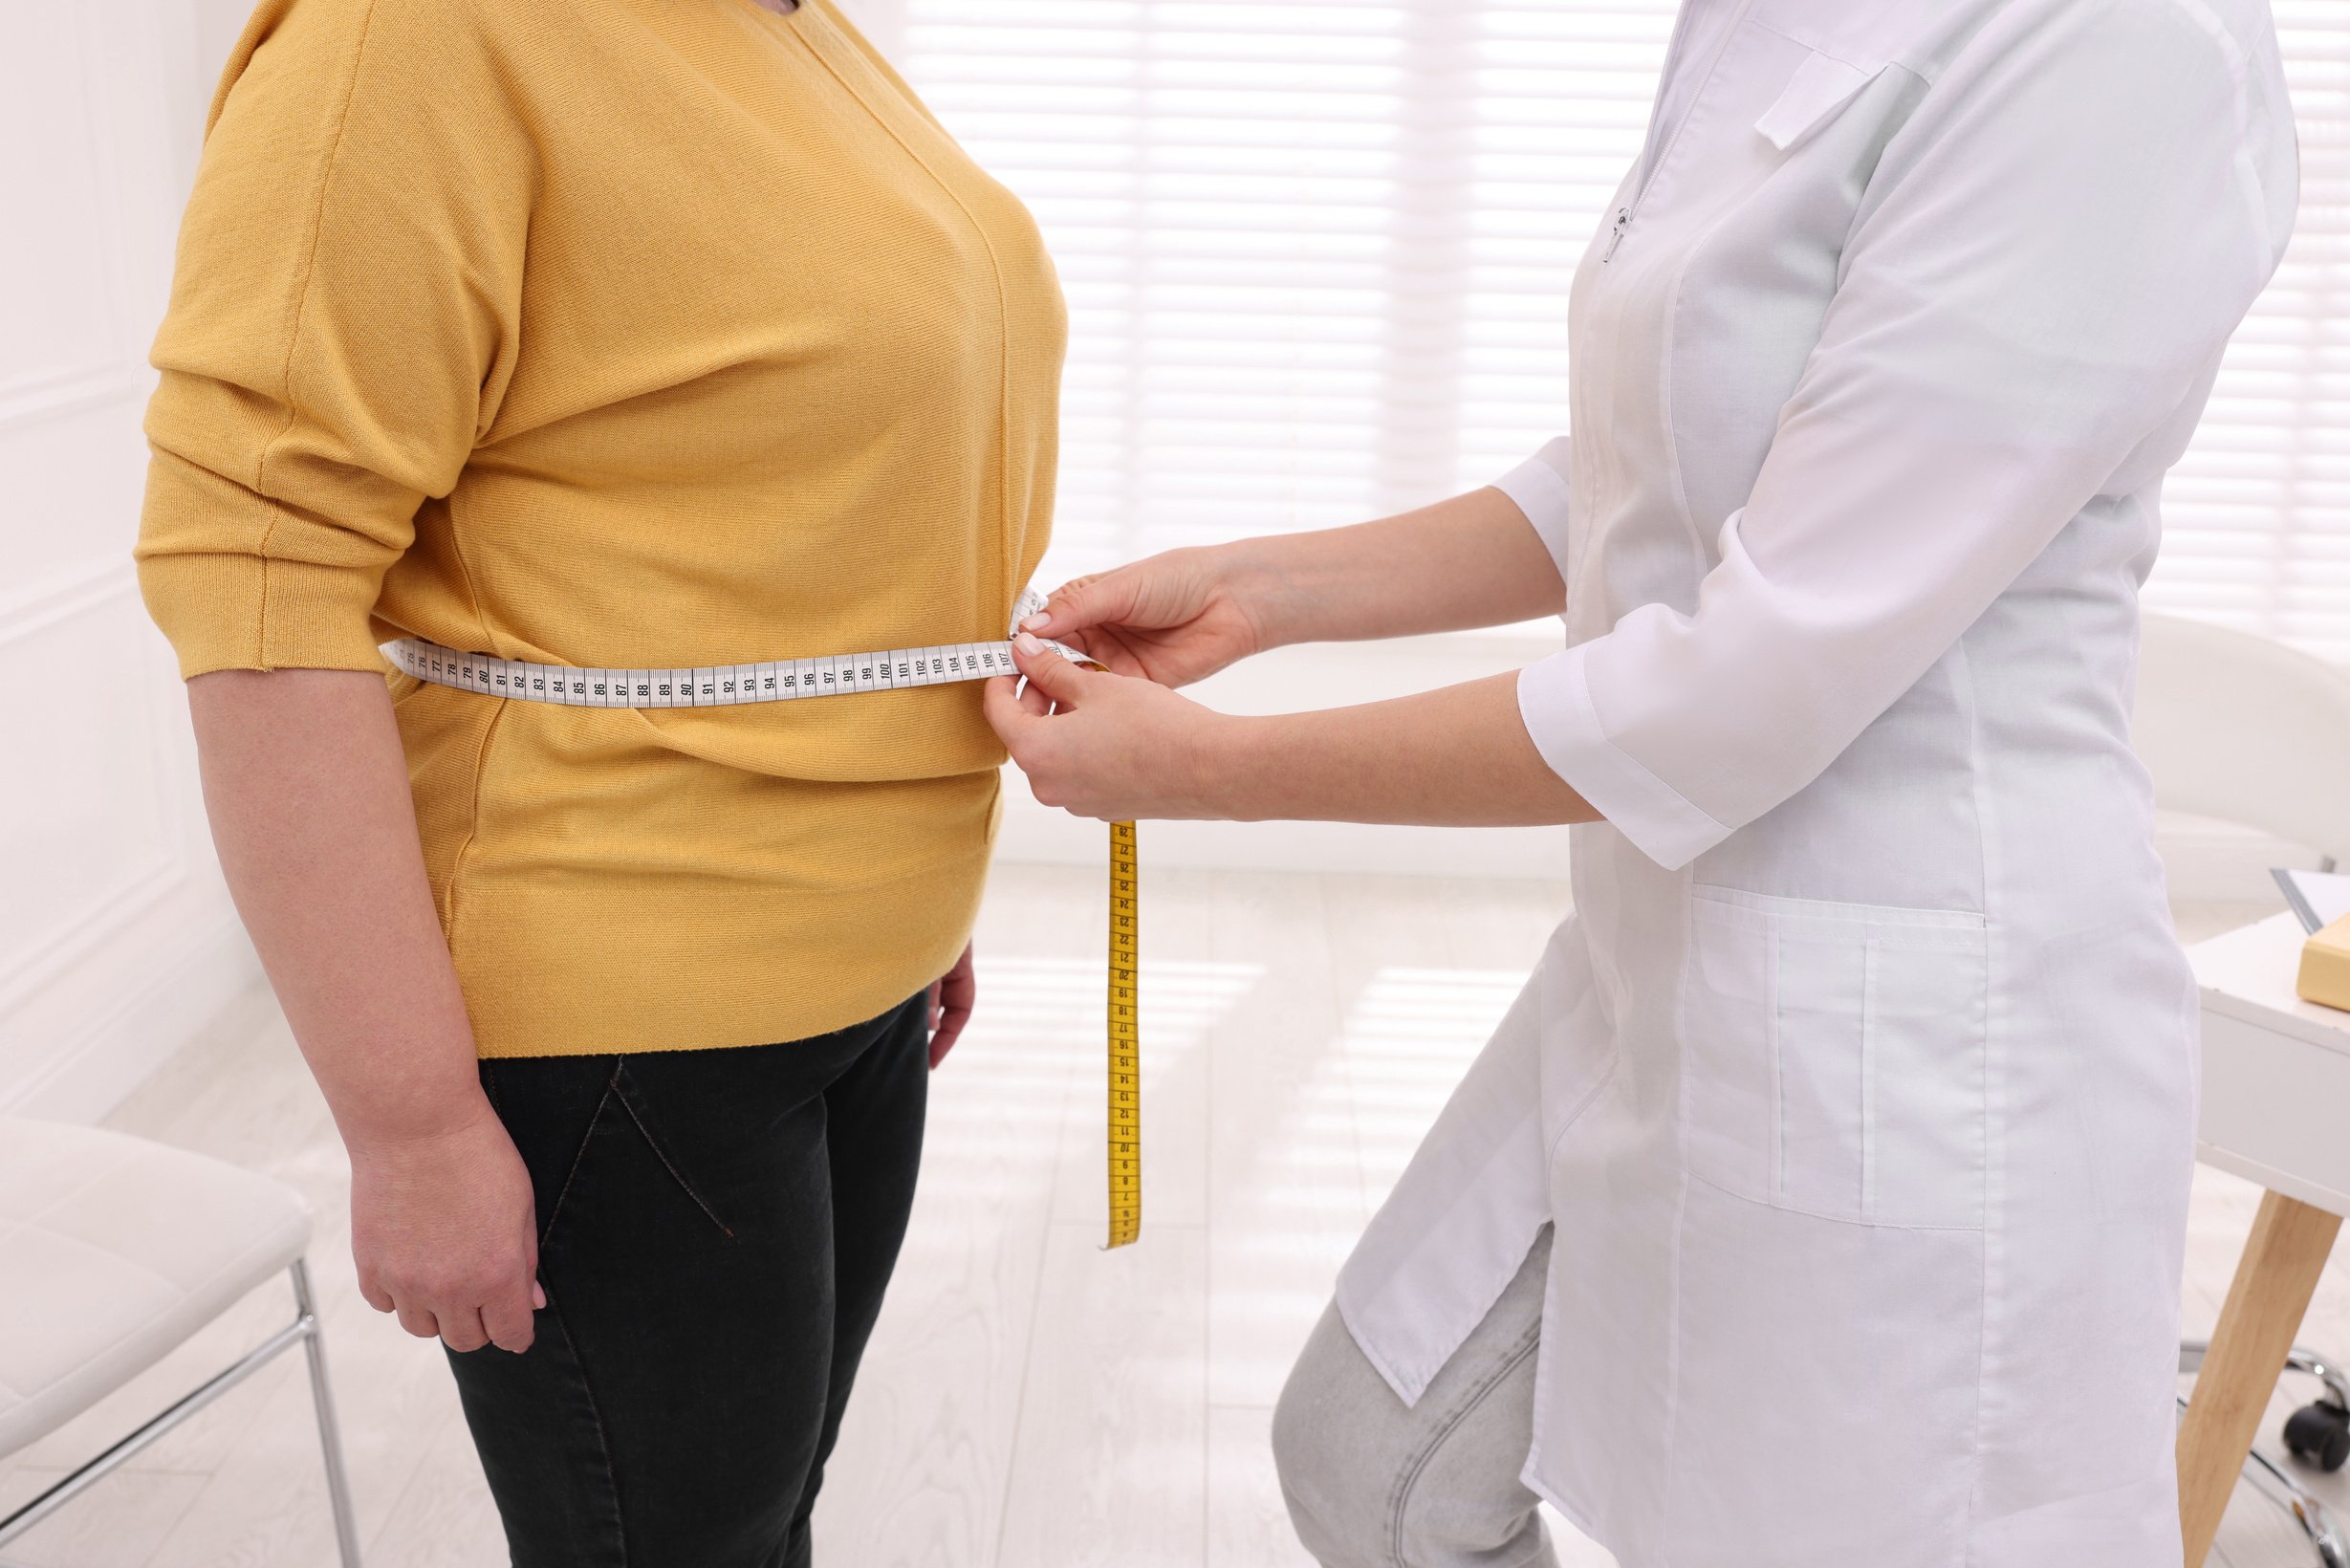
634,332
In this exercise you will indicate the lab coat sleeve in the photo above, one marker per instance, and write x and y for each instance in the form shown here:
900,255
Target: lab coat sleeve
2042,272
1540,488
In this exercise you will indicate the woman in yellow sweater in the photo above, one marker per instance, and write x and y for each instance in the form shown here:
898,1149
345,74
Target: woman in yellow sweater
639,334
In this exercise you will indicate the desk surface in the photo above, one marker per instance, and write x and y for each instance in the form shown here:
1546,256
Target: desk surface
2248,974
2276,1069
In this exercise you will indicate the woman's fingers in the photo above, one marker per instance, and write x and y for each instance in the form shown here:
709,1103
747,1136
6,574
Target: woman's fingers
1062,683
462,1331
418,1322
1170,619
1081,602
1013,709
507,1321
1032,700
956,991
1007,707
372,1291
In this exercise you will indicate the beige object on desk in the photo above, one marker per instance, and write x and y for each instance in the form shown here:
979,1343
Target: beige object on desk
2324,975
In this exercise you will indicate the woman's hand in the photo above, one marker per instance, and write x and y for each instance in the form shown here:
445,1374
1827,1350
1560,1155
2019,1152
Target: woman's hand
1182,615
1101,745
1117,749
307,791
951,996
1174,618
446,1234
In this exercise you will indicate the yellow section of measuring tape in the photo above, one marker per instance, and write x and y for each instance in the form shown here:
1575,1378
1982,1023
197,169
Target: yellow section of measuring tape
1125,1041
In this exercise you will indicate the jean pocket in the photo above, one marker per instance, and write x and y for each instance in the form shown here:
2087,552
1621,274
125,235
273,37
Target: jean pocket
1833,1056
627,1095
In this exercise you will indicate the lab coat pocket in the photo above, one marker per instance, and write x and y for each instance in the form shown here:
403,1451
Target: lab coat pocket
1817,92
1832,1057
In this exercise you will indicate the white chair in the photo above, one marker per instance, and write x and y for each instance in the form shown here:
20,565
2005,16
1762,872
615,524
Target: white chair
113,1251
2245,730
2250,731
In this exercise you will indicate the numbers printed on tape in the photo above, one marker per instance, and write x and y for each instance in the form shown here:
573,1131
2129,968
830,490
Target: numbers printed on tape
715,686
726,685
1126,1035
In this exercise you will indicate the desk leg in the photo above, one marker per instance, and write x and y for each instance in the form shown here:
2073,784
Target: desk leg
2273,1281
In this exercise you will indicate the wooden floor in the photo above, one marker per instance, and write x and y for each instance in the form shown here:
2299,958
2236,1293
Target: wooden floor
1029,1401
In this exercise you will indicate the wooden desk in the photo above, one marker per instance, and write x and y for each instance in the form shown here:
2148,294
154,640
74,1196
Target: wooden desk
2275,1110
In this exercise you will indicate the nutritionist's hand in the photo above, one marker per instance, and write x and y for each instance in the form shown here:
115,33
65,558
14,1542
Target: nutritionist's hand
1174,619
1102,745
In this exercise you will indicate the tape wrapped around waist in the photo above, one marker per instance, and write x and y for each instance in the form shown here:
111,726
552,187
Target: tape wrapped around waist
716,686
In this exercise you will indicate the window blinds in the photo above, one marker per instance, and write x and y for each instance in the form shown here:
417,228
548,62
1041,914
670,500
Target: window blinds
2256,517
1316,254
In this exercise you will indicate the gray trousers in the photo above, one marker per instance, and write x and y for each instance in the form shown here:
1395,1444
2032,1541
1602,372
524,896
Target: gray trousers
1372,1484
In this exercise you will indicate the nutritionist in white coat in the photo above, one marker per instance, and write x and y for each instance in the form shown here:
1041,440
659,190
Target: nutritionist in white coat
1821,1201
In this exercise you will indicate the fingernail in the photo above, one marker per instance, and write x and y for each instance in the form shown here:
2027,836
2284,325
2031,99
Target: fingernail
1026,643
1037,622
539,1295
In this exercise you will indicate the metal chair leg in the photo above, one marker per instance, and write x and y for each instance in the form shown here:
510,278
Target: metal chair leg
2330,1373
330,1432
2316,1521
305,1329
2273,1480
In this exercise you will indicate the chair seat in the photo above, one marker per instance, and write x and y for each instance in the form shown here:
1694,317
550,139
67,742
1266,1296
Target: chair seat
112,1251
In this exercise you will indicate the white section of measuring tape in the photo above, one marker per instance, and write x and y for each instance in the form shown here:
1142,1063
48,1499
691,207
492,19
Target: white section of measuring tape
715,686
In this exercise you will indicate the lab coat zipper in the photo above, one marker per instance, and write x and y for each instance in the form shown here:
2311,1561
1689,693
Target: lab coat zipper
1653,155
1650,155
1624,221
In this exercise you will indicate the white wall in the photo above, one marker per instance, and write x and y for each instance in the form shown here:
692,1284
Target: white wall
117,940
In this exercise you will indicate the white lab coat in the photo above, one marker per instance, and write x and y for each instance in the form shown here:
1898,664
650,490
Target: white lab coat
1859,1086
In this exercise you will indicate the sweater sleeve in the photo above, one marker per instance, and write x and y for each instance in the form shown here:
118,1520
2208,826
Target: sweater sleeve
2042,277
343,320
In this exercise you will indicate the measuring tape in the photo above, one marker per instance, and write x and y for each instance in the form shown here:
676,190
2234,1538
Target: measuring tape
726,685
1125,1041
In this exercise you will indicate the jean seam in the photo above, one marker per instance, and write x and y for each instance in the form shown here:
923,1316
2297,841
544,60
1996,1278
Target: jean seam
578,1157
595,1417
1399,1500
619,1093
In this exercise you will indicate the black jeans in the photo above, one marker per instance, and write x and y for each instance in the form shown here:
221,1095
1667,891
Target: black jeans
715,1231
